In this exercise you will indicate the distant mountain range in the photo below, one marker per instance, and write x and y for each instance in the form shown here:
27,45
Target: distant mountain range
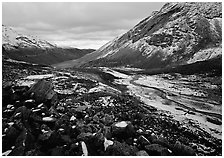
178,34
26,48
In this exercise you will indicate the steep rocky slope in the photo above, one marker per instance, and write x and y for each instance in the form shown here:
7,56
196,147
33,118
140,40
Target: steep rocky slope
178,34
31,49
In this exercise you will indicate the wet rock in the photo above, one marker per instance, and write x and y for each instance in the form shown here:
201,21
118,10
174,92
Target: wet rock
180,149
142,153
120,149
43,91
122,130
157,150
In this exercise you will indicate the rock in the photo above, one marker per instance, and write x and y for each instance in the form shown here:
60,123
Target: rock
120,149
84,136
22,112
214,120
8,112
96,144
143,141
107,120
25,139
162,141
180,149
157,150
107,132
84,149
7,94
73,118
107,143
58,151
9,140
19,151
53,111
45,135
53,139
29,103
60,109
142,153
122,130
80,112
48,119
96,119
43,92
66,139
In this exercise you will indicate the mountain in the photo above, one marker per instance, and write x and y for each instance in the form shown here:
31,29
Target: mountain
177,34
26,48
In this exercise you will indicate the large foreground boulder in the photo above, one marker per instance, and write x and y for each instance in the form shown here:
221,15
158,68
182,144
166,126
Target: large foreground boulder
43,91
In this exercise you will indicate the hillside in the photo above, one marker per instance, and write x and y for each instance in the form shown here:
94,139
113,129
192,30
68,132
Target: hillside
177,34
21,47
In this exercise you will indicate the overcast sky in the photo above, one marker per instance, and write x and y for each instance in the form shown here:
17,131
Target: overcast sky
81,25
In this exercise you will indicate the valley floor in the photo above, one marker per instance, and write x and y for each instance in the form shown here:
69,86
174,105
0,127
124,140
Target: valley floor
105,112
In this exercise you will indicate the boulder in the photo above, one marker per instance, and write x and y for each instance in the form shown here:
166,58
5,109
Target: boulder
157,150
22,113
214,120
162,141
180,149
107,120
84,136
42,91
57,151
142,141
142,153
29,103
10,137
122,130
120,149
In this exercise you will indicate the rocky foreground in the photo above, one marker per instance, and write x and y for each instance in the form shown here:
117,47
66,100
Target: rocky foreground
59,113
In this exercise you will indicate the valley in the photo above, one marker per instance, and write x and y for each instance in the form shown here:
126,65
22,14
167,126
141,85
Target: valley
155,90
182,111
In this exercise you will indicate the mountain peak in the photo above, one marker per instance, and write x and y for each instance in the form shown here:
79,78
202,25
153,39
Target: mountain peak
13,40
177,34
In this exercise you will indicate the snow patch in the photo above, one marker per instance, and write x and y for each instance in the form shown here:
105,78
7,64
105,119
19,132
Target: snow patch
38,77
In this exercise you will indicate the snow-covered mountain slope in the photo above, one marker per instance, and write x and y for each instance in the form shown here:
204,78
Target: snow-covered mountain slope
13,40
178,34
31,49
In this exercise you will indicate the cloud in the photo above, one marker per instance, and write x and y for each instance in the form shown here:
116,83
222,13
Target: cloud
61,22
